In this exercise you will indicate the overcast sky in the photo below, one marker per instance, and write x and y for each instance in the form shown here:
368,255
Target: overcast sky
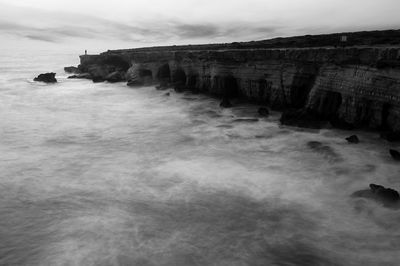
101,25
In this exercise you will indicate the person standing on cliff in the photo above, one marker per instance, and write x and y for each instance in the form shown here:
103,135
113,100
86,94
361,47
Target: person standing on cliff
85,52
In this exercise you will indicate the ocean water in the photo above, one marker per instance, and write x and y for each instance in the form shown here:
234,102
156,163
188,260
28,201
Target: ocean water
103,174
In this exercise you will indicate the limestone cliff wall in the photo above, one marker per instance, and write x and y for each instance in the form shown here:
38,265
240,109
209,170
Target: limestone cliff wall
359,86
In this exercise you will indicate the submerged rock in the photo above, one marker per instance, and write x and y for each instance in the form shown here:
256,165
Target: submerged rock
263,111
353,139
388,196
395,154
167,94
47,78
72,69
225,103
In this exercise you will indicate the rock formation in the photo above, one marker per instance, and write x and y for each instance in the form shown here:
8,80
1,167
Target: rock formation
47,78
346,87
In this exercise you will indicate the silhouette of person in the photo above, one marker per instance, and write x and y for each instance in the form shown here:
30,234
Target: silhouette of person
85,52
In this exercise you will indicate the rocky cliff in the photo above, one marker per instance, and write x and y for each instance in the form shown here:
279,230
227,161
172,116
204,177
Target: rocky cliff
347,86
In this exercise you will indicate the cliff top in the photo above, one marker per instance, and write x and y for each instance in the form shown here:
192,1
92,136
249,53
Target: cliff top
364,38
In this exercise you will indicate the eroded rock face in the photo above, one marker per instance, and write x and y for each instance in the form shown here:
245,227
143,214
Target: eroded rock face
347,87
47,78
387,196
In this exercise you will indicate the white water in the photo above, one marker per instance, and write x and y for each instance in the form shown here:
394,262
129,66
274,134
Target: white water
103,174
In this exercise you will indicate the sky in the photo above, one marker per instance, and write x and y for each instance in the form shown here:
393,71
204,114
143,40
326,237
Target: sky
99,25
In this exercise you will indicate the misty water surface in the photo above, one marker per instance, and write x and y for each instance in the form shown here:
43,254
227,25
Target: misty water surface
103,174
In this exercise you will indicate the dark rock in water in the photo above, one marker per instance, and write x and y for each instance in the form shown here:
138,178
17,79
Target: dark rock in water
395,154
81,76
391,136
167,94
388,196
116,76
47,78
353,139
300,118
225,103
263,111
72,69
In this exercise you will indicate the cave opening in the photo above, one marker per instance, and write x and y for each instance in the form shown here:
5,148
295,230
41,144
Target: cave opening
145,73
179,76
230,88
300,89
179,79
329,105
192,82
164,73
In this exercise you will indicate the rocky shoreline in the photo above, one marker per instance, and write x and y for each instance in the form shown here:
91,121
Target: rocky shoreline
314,87
347,88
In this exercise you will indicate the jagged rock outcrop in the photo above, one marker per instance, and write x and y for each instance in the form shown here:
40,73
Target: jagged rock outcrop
46,77
347,87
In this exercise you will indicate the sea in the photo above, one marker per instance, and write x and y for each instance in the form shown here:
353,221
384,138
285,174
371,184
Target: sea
105,174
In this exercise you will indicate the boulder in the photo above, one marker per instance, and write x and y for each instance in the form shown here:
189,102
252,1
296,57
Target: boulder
388,196
225,103
353,139
81,76
47,78
263,111
167,94
72,69
116,76
301,118
395,154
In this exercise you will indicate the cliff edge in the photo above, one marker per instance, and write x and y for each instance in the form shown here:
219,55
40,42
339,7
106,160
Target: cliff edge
347,86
